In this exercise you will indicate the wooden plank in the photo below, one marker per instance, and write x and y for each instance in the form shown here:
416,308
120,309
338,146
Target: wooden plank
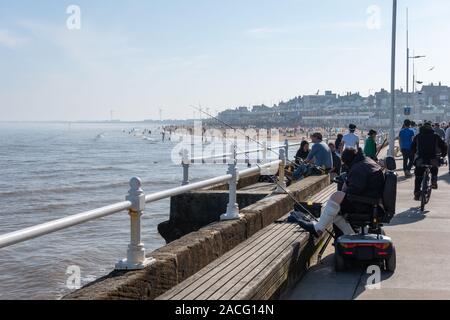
257,264
229,256
274,280
240,266
248,285
228,262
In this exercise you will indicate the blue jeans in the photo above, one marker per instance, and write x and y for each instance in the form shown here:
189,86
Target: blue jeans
302,171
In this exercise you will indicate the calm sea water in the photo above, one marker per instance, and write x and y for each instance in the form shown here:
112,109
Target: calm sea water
50,171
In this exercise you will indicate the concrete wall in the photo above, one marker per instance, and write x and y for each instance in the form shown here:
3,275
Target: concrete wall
191,211
184,257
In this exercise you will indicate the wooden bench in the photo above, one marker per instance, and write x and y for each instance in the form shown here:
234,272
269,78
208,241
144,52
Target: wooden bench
257,269
315,202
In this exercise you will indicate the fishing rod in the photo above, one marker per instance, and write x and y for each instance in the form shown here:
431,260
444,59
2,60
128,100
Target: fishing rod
243,133
381,147
311,216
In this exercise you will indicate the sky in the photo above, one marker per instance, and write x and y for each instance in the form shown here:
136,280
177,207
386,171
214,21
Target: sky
136,57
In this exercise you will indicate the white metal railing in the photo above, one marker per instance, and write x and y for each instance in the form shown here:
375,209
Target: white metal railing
135,204
187,161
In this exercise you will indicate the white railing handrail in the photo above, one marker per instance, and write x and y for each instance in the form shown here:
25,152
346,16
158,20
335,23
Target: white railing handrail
80,218
60,224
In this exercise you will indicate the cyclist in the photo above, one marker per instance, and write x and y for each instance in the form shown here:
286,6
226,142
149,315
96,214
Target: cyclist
426,146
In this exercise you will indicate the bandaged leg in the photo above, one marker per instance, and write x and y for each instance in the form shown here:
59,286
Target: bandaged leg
330,215
343,225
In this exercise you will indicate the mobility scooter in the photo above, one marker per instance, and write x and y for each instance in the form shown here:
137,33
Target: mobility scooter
369,244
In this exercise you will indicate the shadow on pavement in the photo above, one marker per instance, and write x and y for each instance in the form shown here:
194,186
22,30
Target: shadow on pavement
445,178
412,215
404,178
365,282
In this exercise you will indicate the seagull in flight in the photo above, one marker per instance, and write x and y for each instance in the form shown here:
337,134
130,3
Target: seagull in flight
431,69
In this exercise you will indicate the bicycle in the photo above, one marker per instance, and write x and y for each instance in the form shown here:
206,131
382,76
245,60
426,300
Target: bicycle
426,189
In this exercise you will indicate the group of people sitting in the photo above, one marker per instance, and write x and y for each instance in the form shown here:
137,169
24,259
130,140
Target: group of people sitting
326,158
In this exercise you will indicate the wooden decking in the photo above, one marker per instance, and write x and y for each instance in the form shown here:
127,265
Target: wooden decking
323,196
257,268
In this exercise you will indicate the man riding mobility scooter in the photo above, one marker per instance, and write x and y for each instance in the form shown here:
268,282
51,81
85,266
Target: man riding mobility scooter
364,202
370,244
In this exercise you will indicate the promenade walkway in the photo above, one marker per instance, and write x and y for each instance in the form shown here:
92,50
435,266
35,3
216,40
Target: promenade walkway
423,255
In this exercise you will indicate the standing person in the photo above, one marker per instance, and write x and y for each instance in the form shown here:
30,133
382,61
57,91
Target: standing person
439,131
350,140
447,141
302,152
426,146
414,128
370,147
406,138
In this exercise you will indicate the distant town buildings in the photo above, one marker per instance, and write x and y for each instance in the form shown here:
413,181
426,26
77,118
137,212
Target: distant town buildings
430,103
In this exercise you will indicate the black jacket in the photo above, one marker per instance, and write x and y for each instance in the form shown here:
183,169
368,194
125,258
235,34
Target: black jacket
365,178
301,154
427,145
337,164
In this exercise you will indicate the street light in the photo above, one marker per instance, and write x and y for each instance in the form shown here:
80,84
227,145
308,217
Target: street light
394,39
408,57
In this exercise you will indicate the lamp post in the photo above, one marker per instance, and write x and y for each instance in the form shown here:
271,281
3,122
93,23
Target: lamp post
394,38
414,57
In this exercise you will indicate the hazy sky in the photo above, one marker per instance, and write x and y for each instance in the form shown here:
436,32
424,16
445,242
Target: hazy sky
137,56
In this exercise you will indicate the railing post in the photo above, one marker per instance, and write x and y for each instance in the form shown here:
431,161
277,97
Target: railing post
281,185
286,147
185,163
136,259
247,154
264,151
232,207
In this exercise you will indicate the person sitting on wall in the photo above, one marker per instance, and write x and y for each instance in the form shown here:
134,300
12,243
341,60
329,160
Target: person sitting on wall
337,163
365,178
319,157
302,152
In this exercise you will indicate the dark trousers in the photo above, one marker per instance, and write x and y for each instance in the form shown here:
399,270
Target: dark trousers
408,159
419,177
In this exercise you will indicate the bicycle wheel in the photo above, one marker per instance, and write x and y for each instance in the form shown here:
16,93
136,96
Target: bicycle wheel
424,192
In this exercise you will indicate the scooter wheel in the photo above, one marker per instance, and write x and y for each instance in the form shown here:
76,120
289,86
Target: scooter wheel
391,262
339,262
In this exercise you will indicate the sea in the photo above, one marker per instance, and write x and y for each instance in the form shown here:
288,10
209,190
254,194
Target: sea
52,170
